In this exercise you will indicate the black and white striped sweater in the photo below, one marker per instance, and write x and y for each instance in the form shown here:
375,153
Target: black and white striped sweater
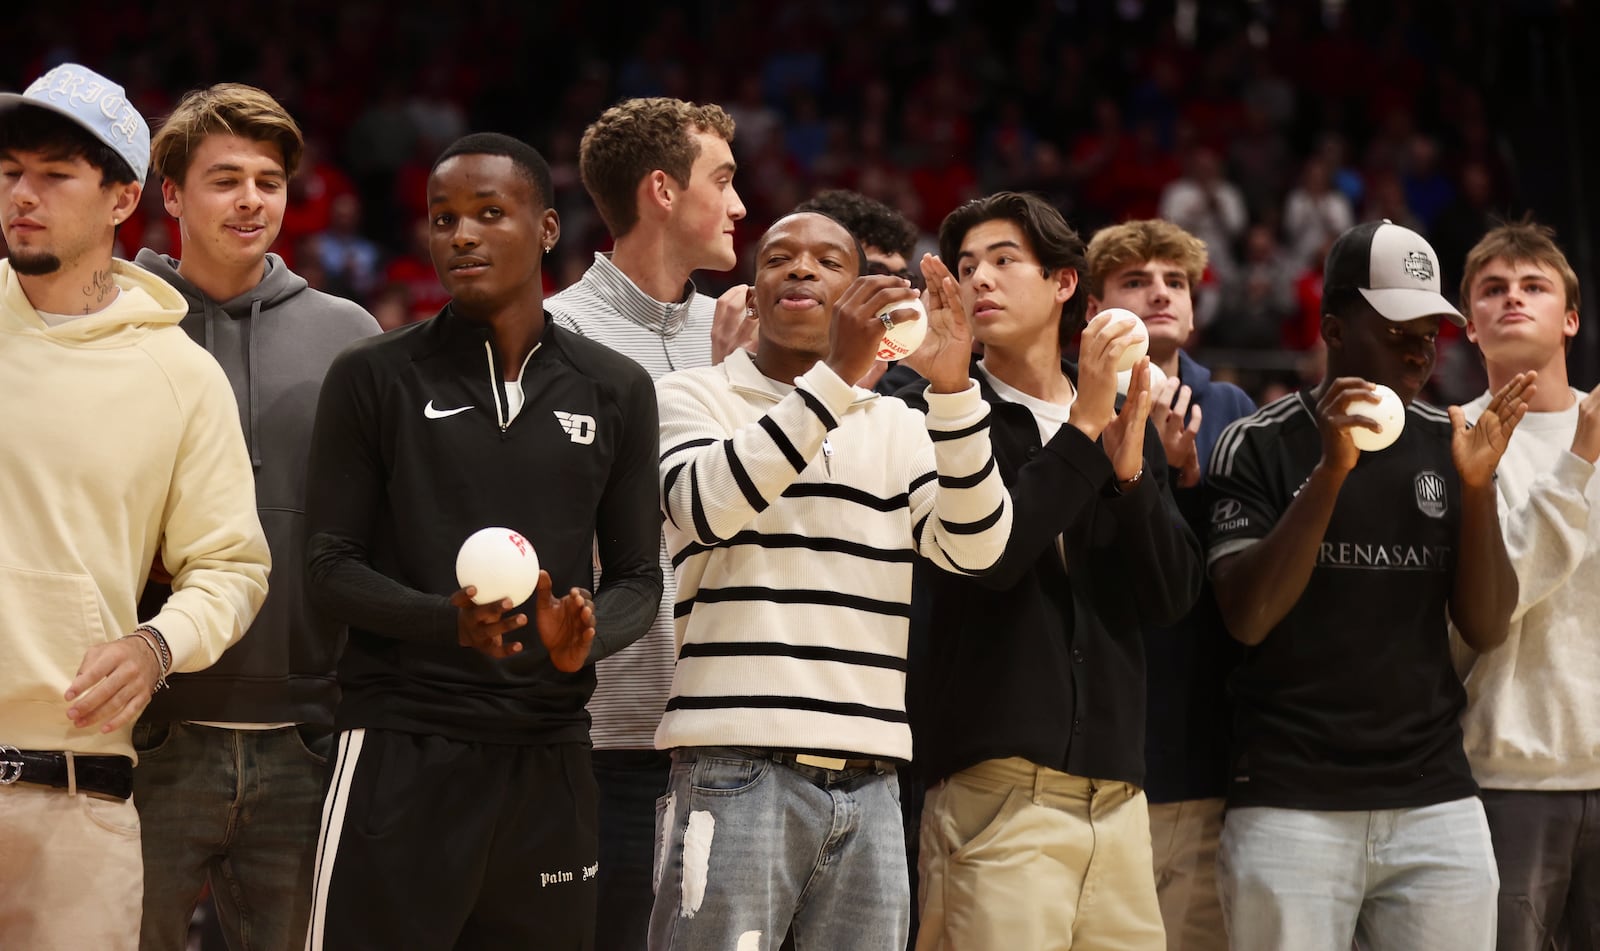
794,514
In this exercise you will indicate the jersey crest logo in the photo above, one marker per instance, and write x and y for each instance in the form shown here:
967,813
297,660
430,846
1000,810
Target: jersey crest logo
577,426
1430,490
1418,265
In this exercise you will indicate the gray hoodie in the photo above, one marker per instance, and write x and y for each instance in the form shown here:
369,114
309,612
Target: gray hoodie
275,342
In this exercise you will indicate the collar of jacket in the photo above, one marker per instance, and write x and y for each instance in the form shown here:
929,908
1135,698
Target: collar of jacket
743,377
454,335
608,283
1196,377
986,387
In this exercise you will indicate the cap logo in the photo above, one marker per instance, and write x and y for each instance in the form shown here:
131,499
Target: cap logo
100,106
1418,265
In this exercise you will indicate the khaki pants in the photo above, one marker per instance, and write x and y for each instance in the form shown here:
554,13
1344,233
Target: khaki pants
1020,858
71,874
1184,836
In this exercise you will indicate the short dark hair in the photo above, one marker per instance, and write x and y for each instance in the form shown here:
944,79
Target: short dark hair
25,128
1050,238
525,157
870,220
861,253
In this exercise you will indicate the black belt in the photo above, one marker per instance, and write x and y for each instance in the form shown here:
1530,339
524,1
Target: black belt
818,761
106,775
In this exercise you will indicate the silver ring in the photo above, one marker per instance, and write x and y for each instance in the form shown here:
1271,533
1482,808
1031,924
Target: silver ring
888,319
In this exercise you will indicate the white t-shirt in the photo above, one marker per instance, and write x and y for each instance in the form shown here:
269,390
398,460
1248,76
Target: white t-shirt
56,320
514,398
1050,417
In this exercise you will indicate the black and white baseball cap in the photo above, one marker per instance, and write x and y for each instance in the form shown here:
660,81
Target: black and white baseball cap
1393,267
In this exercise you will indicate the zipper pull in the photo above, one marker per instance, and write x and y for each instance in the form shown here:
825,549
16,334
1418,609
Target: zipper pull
827,456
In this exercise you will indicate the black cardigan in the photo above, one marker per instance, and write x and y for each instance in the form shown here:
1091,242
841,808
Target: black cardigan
1034,661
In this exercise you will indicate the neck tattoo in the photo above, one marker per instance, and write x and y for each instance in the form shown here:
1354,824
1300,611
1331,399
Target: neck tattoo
100,287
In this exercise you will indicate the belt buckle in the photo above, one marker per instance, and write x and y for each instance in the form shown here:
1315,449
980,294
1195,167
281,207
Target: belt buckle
11,765
820,762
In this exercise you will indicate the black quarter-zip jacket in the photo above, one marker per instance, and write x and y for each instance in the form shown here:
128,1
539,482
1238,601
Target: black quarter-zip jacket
412,452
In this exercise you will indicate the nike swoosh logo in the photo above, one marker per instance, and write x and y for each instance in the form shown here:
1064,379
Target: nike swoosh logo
432,413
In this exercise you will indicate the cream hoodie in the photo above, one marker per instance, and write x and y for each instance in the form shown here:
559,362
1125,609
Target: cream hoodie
1533,703
118,434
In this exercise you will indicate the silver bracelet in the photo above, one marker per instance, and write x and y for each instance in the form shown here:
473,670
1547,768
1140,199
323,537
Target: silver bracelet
152,637
148,643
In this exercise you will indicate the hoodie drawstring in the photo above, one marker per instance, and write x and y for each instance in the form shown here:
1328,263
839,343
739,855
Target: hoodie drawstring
252,417
250,364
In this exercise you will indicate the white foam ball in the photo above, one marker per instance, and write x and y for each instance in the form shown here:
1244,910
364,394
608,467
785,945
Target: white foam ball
903,339
1141,337
1388,413
500,563
1157,375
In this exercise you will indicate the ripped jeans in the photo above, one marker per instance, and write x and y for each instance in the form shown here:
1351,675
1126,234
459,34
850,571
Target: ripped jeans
749,847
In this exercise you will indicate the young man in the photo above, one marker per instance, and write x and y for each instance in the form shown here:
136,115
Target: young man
1533,706
1151,268
660,172
122,445
887,237
232,760
1352,811
1029,709
796,504
888,240
462,809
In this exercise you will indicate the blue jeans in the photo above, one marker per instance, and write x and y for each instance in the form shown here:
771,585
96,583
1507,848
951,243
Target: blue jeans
748,848
237,808
1418,879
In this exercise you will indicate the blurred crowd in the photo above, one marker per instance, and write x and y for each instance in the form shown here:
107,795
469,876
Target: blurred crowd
1266,128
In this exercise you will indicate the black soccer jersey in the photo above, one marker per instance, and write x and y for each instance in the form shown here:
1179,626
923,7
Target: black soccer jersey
1351,701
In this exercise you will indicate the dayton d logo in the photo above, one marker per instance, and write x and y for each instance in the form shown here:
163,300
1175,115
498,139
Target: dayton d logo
577,426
